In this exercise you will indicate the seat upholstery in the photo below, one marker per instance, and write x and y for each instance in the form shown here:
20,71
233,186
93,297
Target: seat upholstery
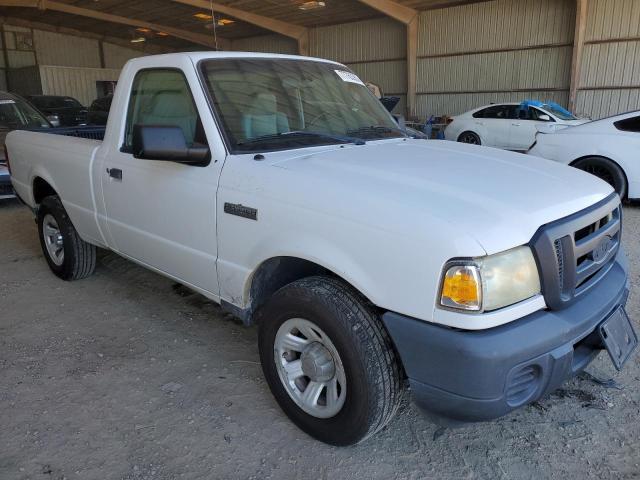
264,117
172,108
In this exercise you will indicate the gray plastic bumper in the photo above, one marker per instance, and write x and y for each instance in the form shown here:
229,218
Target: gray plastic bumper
466,376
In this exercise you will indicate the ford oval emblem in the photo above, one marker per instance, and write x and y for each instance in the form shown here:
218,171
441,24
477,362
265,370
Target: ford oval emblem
600,252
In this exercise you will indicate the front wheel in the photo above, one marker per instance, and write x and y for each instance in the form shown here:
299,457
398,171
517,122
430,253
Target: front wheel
68,256
328,360
606,170
469,137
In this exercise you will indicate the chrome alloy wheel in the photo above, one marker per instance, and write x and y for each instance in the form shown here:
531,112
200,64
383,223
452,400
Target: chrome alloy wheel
310,368
53,239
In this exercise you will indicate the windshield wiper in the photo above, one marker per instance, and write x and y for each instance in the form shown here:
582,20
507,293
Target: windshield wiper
375,129
302,134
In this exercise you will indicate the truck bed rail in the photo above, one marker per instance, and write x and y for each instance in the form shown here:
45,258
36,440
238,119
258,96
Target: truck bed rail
90,132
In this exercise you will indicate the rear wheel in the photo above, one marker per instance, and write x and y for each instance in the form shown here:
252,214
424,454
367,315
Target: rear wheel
469,137
328,360
606,170
68,256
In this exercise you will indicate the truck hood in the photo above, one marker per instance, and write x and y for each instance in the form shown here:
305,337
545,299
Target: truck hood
499,198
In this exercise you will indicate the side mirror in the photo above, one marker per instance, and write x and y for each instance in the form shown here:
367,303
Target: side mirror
544,118
54,120
167,143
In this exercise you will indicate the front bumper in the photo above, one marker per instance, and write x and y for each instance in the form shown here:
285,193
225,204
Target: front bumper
466,376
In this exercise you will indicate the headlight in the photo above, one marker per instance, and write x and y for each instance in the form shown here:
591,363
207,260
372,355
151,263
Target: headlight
491,282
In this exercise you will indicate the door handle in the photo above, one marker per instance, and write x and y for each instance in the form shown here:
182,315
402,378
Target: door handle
115,173
516,124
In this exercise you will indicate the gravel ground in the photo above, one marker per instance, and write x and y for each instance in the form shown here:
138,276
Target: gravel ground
126,375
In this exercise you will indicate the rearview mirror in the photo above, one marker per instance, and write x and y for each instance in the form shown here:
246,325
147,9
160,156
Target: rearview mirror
167,143
544,118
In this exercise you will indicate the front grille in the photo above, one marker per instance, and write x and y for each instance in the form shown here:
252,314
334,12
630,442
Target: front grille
574,253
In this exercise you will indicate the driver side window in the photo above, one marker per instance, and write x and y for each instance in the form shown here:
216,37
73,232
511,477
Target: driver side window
161,97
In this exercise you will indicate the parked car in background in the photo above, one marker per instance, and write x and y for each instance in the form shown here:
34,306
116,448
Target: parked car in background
15,114
606,148
511,126
69,111
99,110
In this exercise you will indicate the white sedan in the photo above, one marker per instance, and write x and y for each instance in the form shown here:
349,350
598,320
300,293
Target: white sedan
511,126
606,148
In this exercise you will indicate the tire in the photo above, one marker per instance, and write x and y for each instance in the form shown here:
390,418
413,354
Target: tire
69,257
469,137
371,372
606,170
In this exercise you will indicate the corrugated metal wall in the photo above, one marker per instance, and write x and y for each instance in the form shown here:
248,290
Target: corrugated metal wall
267,44
501,50
610,73
66,50
77,82
116,56
375,49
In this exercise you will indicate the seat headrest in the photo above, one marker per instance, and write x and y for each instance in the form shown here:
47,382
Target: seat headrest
264,104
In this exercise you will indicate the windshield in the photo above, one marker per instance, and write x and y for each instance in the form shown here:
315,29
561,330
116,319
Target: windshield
268,104
19,114
561,114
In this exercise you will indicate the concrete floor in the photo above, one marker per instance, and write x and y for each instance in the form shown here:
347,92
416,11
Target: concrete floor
126,375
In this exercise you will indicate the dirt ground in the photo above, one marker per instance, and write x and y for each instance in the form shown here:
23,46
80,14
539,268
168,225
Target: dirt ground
126,375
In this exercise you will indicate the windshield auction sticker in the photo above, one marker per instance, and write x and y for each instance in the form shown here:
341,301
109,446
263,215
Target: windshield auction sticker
5,102
349,77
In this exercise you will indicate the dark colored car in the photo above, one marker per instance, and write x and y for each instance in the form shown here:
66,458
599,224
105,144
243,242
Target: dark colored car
69,110
99,110
15,114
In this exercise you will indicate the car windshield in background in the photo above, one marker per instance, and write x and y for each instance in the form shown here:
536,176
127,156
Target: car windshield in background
16,115
56,102
561,114
267,104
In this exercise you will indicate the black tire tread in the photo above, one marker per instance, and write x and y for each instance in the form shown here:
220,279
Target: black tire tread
374,345
82,261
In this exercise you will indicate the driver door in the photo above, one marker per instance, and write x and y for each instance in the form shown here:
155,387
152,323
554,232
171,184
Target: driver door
162,213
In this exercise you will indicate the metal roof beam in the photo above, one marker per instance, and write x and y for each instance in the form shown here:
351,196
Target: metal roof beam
197,38
297,32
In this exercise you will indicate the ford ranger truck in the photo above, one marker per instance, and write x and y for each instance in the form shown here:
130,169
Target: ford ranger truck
279,187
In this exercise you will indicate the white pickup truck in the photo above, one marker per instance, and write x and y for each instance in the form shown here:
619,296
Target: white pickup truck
281,188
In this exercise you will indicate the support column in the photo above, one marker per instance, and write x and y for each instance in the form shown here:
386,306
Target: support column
578,44
412,65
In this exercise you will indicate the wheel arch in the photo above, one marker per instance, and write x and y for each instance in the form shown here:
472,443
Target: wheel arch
41,188
470,130
274,273
608,159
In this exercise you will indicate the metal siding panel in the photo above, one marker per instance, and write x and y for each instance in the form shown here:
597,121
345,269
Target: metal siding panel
116,56
390,76
380,39
611,65
610,19
500,24
24,81
512,70
604,103
266,44
79,83
66,50
455,104
19,59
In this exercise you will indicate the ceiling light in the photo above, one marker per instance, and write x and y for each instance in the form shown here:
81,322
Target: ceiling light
162,34
142,30
225,21
203,16
311,5
138,40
